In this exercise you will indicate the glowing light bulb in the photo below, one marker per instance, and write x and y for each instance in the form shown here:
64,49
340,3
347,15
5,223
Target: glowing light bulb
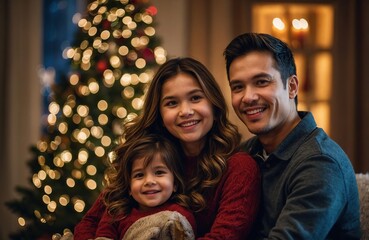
278,24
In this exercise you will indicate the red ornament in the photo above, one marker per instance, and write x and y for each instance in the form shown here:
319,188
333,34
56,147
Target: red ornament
152,10
148,54
101,65
106,24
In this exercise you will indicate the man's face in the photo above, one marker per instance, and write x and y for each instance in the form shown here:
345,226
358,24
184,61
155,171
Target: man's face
258,96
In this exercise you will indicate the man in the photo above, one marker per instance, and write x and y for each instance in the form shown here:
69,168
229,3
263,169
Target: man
308,183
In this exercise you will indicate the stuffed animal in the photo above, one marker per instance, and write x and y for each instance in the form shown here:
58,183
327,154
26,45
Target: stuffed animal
165,225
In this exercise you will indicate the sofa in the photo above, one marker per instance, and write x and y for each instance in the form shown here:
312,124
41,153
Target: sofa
363,185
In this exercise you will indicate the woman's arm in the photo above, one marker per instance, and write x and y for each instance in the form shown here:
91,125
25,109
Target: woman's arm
239,196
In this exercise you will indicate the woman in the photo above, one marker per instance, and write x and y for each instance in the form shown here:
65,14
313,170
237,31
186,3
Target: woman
185,104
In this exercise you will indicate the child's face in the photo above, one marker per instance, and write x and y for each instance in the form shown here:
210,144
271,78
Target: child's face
153,185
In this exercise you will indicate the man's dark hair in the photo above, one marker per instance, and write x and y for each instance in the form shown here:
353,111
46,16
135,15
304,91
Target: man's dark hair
261,42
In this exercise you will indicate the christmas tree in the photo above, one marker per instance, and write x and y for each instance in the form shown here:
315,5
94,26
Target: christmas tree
113,58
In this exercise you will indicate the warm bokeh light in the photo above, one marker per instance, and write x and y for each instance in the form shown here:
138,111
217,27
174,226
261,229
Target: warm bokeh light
300,24
278,24
21,221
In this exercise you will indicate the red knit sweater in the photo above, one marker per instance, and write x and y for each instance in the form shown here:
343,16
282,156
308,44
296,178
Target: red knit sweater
231,210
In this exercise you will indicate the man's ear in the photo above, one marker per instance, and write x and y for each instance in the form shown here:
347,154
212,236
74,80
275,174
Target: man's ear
293,86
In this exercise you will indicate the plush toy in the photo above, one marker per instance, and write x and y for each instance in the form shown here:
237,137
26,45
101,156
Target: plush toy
165,225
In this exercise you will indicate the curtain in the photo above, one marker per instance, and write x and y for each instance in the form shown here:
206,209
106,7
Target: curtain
20,106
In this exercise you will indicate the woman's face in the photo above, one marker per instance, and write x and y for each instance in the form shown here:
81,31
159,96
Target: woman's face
186,112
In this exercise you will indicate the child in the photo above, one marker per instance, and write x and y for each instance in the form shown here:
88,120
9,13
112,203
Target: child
145,199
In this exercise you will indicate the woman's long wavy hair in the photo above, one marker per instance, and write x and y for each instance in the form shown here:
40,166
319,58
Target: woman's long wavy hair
117,194
222,139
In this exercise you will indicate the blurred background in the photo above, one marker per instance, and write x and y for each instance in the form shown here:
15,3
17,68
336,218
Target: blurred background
330,40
